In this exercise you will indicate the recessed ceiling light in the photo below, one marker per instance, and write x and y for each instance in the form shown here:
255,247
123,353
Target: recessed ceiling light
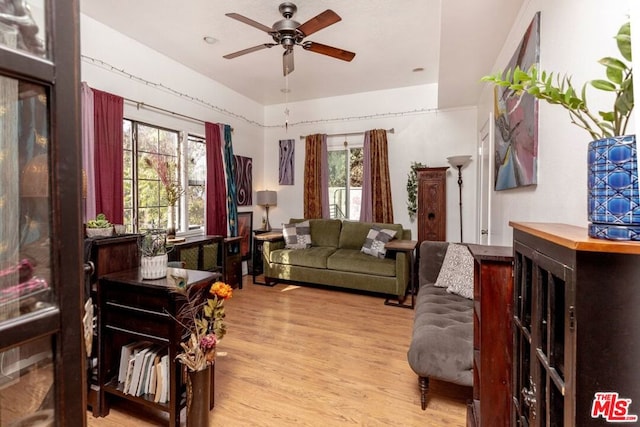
285,90
209,39
417,69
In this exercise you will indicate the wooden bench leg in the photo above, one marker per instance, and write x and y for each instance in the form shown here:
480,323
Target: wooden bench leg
423,382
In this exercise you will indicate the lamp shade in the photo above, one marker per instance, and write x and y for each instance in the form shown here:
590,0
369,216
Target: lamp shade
459,160
267,198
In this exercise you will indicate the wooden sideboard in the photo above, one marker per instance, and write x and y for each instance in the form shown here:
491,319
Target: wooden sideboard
492,336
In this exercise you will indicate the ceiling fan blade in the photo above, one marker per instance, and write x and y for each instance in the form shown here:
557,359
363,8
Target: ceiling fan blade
287,62
248,50
249,21
334,52
323,20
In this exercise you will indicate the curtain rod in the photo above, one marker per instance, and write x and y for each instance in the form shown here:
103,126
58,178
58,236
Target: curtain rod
164,110
392,130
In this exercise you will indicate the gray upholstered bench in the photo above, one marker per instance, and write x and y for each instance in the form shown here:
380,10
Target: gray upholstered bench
442,342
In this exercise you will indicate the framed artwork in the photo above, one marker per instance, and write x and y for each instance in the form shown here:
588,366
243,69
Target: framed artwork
516,121
245,229
244,171
285,172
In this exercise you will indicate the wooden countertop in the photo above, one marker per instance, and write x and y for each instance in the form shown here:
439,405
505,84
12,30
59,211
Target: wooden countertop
575,238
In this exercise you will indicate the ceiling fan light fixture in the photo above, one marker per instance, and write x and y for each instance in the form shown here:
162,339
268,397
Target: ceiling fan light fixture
210,40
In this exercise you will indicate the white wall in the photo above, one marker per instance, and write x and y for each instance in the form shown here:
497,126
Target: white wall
574,34
427,137
122,53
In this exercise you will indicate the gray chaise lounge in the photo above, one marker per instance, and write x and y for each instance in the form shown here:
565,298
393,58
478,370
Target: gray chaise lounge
442,342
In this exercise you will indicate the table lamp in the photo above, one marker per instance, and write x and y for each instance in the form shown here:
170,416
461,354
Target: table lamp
267,198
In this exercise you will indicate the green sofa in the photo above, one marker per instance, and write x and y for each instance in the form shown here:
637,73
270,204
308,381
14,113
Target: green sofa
335,259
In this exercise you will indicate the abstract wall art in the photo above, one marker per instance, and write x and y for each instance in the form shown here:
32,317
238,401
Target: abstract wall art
516,121
244,167
286,161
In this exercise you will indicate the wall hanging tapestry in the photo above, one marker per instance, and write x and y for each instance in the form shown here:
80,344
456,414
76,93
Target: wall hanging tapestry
286,161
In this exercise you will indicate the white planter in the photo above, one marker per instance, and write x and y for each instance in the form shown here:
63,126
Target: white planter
153,267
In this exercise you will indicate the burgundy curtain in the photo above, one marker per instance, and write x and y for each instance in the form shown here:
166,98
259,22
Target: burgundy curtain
216,193
108,164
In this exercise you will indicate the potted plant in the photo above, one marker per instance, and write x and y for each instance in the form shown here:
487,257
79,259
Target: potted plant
153,253
99,227
613,205
168,172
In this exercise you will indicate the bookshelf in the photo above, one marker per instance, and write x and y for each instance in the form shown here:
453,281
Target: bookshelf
132,309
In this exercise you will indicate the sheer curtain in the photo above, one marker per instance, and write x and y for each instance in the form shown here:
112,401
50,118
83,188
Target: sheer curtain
89,184
376,205
108,163
216,193
316,177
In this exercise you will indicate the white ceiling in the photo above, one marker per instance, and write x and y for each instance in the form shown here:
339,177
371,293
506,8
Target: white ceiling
455,41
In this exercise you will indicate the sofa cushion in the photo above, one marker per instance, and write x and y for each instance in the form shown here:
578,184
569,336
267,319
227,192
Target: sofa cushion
324,232
315,256
354,261
354,233
297,235
376,240
456,273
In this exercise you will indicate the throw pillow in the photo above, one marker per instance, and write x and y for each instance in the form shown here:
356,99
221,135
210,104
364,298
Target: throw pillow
375,241
456,273
297,235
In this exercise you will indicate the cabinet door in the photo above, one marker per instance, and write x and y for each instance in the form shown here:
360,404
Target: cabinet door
432,214
543,334
41,285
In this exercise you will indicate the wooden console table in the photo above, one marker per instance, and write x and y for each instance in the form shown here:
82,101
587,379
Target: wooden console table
132,309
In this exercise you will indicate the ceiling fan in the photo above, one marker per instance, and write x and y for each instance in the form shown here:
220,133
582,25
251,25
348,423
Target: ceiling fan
289,33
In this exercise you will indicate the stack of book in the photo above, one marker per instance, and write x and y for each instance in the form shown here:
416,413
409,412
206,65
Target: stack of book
144,370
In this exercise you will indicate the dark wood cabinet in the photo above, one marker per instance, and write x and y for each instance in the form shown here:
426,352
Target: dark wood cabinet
108,255
132,309
198,252
432,204
576,325
232,261
492,336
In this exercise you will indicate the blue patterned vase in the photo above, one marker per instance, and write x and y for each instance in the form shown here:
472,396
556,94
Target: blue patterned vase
613,197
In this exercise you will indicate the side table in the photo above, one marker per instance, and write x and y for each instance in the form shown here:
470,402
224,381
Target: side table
258,240
408,247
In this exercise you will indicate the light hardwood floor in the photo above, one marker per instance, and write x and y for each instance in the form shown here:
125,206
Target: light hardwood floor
303,356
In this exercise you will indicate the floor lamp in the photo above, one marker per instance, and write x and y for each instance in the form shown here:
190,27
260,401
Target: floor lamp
267,198
459,162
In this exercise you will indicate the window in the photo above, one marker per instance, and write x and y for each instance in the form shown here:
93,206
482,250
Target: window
345,182
196,180
145,203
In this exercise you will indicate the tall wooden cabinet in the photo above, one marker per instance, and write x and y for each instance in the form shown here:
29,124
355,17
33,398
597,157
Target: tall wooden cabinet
42,376
492,336
432,204
576,327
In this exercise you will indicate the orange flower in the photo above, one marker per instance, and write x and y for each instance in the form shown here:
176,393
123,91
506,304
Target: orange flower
221,290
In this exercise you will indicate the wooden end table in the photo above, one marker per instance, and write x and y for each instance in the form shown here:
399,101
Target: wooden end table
258,240
408,247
